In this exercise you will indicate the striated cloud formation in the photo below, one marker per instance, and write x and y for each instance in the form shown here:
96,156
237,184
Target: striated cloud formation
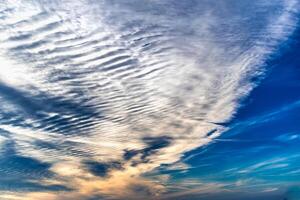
96,94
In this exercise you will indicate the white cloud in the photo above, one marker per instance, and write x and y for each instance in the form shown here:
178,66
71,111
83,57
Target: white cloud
149,74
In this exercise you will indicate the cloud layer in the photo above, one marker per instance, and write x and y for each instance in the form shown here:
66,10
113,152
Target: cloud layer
99,93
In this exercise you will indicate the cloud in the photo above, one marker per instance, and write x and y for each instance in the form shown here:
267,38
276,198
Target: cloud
108,91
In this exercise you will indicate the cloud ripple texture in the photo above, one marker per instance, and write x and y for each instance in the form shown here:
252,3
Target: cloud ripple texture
104,92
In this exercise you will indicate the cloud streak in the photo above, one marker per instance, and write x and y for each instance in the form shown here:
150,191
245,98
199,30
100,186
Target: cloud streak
88,84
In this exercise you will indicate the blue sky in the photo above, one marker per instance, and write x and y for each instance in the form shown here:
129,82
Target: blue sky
259,151
143,99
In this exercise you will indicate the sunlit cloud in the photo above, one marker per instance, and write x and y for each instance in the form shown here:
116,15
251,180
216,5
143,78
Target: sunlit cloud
106,92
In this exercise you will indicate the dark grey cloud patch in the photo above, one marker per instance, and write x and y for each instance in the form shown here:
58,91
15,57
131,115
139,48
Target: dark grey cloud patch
102,168
153,145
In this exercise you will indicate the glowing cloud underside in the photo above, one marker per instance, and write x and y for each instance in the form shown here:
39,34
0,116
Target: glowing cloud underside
106,91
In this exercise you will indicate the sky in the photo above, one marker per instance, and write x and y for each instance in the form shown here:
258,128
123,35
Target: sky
149,99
